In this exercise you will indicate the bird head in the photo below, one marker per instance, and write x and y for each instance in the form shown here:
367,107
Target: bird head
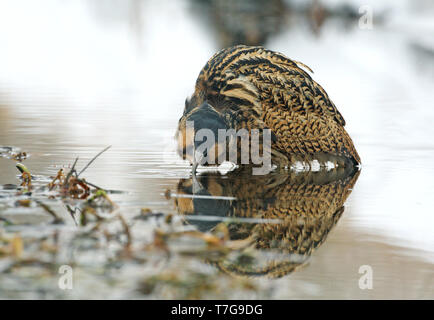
198,134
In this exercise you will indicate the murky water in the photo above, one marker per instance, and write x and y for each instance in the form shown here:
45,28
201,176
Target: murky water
79,76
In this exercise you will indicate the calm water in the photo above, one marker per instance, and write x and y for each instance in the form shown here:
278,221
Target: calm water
79,76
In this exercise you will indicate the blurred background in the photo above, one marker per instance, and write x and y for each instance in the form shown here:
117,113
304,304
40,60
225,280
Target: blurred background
78,75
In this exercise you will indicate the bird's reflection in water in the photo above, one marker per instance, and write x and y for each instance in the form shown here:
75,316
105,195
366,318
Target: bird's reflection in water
281,218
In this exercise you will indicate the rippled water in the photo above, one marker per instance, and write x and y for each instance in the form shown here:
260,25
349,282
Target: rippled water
77,77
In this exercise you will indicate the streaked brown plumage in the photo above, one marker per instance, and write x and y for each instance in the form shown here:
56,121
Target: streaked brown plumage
306,206
255,88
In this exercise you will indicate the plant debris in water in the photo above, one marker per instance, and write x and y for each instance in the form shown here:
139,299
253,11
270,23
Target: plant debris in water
103,246
13,153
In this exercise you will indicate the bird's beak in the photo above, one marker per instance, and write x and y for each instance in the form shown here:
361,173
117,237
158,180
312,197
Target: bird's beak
198,156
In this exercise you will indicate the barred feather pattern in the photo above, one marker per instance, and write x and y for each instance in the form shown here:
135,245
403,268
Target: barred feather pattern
307,205
256,88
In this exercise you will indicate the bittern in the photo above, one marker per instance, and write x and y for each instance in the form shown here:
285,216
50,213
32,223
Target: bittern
279,219
250,87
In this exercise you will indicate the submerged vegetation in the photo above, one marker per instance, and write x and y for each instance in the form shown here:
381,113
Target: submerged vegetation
228,233
101,243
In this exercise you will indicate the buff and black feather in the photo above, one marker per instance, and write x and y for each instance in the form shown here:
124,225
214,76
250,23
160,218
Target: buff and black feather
295,213
255,88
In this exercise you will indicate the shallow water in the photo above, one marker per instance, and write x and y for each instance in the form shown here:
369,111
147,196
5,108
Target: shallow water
93,75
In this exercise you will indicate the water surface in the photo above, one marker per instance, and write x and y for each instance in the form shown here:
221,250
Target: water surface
79,76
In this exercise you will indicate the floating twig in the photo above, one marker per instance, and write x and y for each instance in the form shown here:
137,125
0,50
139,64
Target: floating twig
70,172
92,160
91,184
72,212
57,219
